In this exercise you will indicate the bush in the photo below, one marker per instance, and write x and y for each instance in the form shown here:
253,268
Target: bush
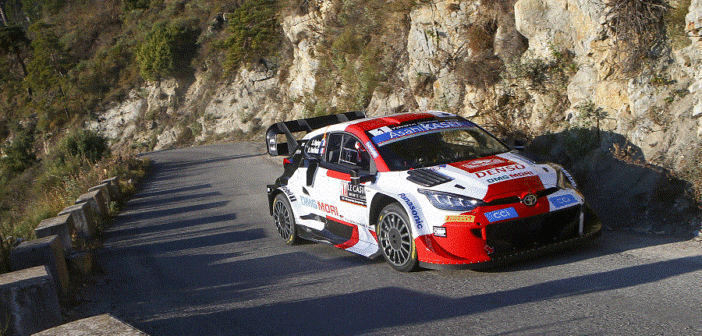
129,5
168,50
84,144
19,155
254,33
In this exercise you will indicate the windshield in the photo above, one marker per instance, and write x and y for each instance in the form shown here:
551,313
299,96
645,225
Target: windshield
430,148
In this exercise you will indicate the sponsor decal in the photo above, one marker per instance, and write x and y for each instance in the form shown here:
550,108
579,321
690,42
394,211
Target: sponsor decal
413,211
570,178
385,135
509,172
314,147
562,201
371,149
355,194
480,163
460,219
437,168
308,202
289,193
500,215
489,249
379,131
330,209
499,170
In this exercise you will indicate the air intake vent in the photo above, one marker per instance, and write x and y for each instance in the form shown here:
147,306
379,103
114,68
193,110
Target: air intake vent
427,177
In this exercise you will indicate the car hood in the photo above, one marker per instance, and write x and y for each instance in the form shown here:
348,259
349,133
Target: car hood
487,178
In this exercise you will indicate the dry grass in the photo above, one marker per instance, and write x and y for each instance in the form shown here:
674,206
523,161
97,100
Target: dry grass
639,30
26,202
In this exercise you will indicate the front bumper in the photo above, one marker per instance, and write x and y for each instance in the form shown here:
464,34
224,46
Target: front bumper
509,241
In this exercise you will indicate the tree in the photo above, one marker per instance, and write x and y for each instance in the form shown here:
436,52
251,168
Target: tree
46,76
11,40
19,155
168,49
254,32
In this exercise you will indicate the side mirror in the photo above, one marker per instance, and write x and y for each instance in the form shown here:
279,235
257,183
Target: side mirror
357,178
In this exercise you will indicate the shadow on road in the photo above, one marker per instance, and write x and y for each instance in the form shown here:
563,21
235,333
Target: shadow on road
207,269
387,307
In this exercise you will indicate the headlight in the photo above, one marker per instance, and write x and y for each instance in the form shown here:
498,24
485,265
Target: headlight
565,180
452,202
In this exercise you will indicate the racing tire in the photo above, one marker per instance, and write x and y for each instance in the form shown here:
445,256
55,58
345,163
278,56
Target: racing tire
284,219
395,238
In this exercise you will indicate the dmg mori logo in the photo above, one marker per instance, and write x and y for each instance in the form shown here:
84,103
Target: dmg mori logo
529,200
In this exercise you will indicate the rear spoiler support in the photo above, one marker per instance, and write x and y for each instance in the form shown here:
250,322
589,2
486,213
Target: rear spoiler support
302,125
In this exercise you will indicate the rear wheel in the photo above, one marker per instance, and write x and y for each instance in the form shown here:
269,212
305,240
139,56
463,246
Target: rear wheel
395,238
284,219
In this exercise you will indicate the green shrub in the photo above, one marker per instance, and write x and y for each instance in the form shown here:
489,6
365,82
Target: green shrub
19,155
129,5
254,33
84,144
168,50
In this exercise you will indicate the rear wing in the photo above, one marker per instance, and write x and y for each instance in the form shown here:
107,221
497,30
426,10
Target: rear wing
302,125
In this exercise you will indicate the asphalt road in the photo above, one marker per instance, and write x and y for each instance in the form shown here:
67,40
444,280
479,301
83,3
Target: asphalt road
196,253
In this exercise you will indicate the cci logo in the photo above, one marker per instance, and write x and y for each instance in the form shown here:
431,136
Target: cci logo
563,201
500,215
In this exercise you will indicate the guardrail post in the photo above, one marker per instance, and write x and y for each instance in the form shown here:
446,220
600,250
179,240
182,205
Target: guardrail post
29,302
43,251
84,219
100,325
96,200
62,226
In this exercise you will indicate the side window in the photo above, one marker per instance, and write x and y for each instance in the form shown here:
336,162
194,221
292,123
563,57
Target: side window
347,151
334,148
314,147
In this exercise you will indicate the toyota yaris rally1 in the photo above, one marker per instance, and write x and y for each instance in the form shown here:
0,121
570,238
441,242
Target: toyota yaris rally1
426,189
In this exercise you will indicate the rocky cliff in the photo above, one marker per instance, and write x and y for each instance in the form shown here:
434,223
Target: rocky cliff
550,71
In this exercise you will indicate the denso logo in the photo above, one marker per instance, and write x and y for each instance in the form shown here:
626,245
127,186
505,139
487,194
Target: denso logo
500,170
413,209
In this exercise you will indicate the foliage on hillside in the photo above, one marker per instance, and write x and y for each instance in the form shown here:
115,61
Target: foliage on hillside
63,61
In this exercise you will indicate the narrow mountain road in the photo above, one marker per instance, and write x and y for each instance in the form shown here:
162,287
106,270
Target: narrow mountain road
196,253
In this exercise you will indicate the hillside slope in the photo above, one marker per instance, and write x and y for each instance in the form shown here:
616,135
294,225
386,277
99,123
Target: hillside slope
609,89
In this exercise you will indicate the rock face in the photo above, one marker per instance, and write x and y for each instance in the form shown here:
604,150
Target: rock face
557,71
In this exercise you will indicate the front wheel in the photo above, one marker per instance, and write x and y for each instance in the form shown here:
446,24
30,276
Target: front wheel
395,238
284,219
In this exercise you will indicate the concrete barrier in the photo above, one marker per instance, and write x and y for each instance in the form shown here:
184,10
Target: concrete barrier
96,200
61,226
85,219
29,302
43,251
100,325
113,183
105,188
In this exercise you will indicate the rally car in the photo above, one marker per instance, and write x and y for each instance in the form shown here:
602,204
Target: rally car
424,189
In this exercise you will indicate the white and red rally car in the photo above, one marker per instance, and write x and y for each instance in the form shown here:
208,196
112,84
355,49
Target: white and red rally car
423,189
